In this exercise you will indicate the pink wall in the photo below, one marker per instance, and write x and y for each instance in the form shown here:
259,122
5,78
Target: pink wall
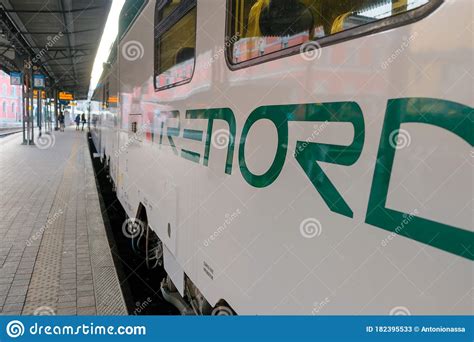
10,99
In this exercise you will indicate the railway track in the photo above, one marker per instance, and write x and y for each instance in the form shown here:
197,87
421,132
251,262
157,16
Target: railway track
7,132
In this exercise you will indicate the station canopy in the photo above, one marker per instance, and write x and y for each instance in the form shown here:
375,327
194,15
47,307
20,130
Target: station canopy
61,38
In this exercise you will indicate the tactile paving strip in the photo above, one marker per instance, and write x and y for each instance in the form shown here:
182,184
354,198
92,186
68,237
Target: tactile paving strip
70,243
109,301
98,257
109,297
44,285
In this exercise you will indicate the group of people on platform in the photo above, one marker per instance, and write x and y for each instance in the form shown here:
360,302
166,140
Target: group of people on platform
80,118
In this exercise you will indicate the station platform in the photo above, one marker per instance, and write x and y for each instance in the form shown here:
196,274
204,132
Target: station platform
55,258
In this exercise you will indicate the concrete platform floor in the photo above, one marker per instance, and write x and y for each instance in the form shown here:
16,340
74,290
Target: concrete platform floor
54,253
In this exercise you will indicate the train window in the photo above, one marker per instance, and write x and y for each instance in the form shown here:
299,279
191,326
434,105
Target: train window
175,42
262,28
167,9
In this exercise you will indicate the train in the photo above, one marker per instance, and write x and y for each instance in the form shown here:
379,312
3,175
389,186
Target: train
295,157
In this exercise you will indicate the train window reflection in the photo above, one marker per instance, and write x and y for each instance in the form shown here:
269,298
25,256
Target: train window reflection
175,46
263,27
168,9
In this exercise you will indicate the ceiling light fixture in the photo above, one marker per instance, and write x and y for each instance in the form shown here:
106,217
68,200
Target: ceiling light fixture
106,43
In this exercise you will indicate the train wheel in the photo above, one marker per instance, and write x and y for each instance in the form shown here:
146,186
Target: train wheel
153,249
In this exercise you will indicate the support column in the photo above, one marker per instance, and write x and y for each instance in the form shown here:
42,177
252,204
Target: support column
32,112
24,104
56,104
39,110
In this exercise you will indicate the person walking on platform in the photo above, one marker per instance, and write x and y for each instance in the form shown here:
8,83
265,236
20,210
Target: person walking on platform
83,120
77,120
61,122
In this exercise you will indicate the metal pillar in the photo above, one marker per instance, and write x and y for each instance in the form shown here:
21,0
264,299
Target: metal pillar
39,110
24,105
28,102
50,111
32,114
56,106
47,115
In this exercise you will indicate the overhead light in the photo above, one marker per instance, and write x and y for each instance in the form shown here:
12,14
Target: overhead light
106,42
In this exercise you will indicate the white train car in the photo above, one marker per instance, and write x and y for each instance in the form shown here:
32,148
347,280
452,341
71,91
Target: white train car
300,157
95,116
104,117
